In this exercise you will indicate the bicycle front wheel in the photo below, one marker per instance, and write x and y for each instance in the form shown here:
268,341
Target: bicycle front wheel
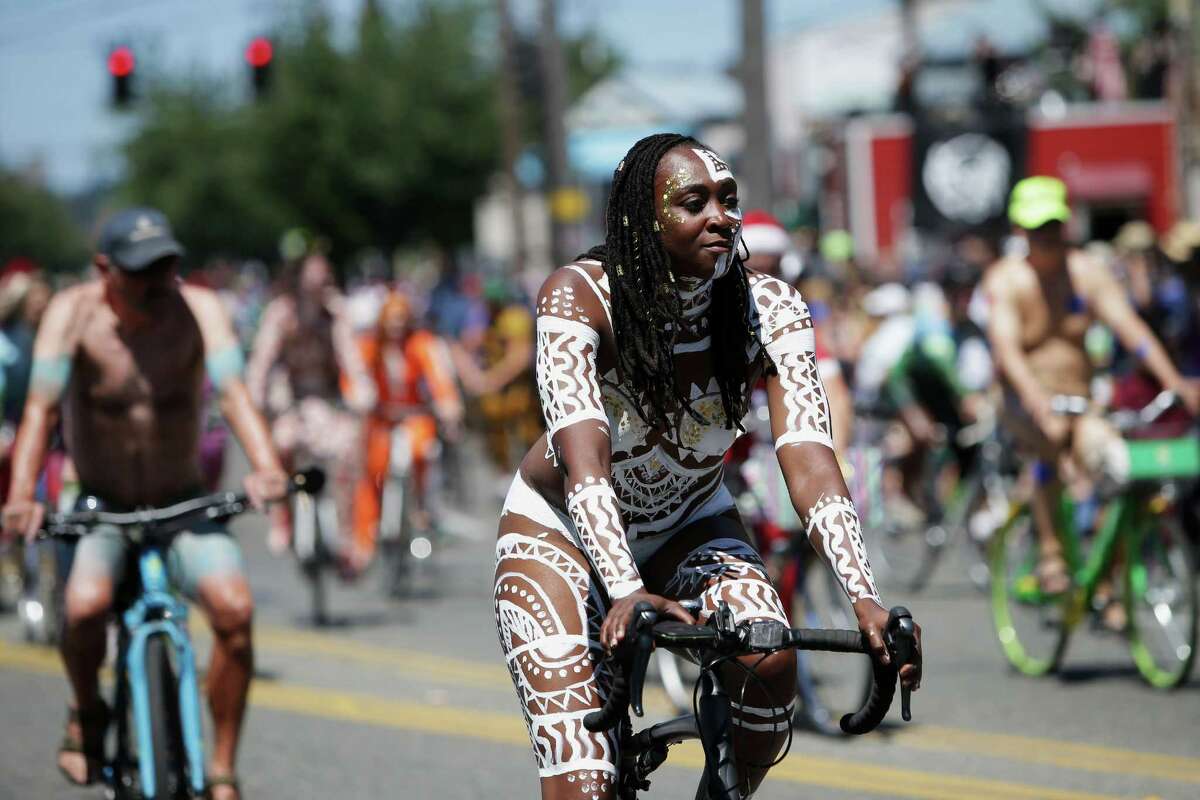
1160,597
167,735
1031,625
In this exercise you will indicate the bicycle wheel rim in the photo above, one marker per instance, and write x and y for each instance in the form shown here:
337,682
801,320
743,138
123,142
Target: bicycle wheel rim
1161,604
1031,627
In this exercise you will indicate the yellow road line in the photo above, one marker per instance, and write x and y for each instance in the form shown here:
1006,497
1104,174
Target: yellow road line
843,774
1095,758
1036,750
1072,755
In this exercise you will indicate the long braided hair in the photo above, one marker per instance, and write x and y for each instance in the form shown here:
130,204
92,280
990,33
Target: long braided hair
647,314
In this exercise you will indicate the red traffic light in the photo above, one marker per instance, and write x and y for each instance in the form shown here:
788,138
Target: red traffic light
120,62
259,52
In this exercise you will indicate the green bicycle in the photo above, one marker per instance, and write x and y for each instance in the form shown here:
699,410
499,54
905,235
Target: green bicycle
1141,531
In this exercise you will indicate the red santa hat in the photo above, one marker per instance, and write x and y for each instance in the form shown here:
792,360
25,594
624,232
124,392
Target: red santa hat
764,235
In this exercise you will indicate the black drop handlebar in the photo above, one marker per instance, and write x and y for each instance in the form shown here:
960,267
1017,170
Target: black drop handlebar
219,506
723,637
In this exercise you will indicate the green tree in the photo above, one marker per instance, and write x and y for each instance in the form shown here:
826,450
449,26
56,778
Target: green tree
385,142
192,159
35,224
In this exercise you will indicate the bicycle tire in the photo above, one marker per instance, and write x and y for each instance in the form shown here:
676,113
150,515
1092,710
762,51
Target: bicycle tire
166,733
395,545
1031,627
1160,578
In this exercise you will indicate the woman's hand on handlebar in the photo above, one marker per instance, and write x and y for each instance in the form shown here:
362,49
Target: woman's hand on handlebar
612,632
873,621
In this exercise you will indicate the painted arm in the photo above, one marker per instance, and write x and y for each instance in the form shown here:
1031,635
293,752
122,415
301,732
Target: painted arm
268,343
438,372
568,344
360,394
800,424
53,355
224,363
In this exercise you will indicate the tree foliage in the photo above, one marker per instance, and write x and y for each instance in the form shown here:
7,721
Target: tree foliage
35,224
385,141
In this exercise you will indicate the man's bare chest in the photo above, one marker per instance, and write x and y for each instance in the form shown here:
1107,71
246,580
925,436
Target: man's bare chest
159,366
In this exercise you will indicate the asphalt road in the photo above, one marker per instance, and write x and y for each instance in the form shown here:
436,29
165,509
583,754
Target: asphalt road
411,700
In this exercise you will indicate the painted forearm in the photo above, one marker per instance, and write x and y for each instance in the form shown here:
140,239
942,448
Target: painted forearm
597,517
578,431
834,530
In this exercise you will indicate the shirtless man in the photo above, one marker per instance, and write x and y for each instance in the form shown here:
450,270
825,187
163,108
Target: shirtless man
124,358
306,334
1041,307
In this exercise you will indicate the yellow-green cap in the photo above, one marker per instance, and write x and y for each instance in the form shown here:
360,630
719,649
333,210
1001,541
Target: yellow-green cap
837,245
1038,200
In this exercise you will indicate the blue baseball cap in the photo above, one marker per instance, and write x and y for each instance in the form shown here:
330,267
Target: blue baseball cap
135,238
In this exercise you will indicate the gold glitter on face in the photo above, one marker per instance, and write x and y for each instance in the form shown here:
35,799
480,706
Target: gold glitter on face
679,179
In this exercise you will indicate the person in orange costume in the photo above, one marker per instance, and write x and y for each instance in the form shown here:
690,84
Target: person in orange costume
413,377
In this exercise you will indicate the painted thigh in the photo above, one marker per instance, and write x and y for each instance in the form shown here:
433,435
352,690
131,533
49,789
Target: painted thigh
715,563
548,616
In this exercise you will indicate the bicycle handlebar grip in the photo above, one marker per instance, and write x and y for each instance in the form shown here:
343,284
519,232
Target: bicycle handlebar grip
629,672
900,639
310,481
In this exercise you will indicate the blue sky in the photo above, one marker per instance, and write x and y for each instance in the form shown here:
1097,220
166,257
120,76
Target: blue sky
54,91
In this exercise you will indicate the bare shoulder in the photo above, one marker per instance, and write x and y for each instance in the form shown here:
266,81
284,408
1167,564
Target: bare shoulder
202,300
279,311
1089,274
1006,278
71,308
570,292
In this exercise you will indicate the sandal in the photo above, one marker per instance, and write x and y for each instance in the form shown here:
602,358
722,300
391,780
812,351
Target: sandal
1110,615
221,780
1053,574
93,725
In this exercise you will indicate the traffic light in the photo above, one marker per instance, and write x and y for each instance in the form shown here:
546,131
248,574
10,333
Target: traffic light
258,55
120,66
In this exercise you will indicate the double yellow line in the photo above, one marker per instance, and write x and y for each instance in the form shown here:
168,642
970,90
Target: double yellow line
834,773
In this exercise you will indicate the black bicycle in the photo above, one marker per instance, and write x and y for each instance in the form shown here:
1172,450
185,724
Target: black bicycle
719,642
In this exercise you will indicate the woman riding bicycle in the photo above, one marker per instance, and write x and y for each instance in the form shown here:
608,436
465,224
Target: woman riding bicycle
414,388
646,351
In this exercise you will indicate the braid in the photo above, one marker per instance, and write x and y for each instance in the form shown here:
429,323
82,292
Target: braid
647,314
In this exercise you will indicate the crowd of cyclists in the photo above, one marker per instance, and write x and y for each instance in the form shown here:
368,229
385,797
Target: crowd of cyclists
338,361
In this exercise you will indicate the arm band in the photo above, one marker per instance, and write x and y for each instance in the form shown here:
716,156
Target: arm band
49,376
225,365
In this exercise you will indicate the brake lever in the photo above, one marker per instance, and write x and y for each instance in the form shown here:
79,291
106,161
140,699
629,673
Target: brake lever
644,618
901,641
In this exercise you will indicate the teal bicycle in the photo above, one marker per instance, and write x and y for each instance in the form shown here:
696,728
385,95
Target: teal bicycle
1141,539
159,742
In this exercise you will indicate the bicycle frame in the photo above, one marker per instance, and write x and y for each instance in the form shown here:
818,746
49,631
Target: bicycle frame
158,611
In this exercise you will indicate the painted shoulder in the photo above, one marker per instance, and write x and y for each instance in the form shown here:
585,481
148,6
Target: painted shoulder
577,291
776,306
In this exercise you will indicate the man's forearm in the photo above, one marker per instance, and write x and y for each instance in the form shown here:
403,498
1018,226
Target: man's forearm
30,450
1141,341
248,426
